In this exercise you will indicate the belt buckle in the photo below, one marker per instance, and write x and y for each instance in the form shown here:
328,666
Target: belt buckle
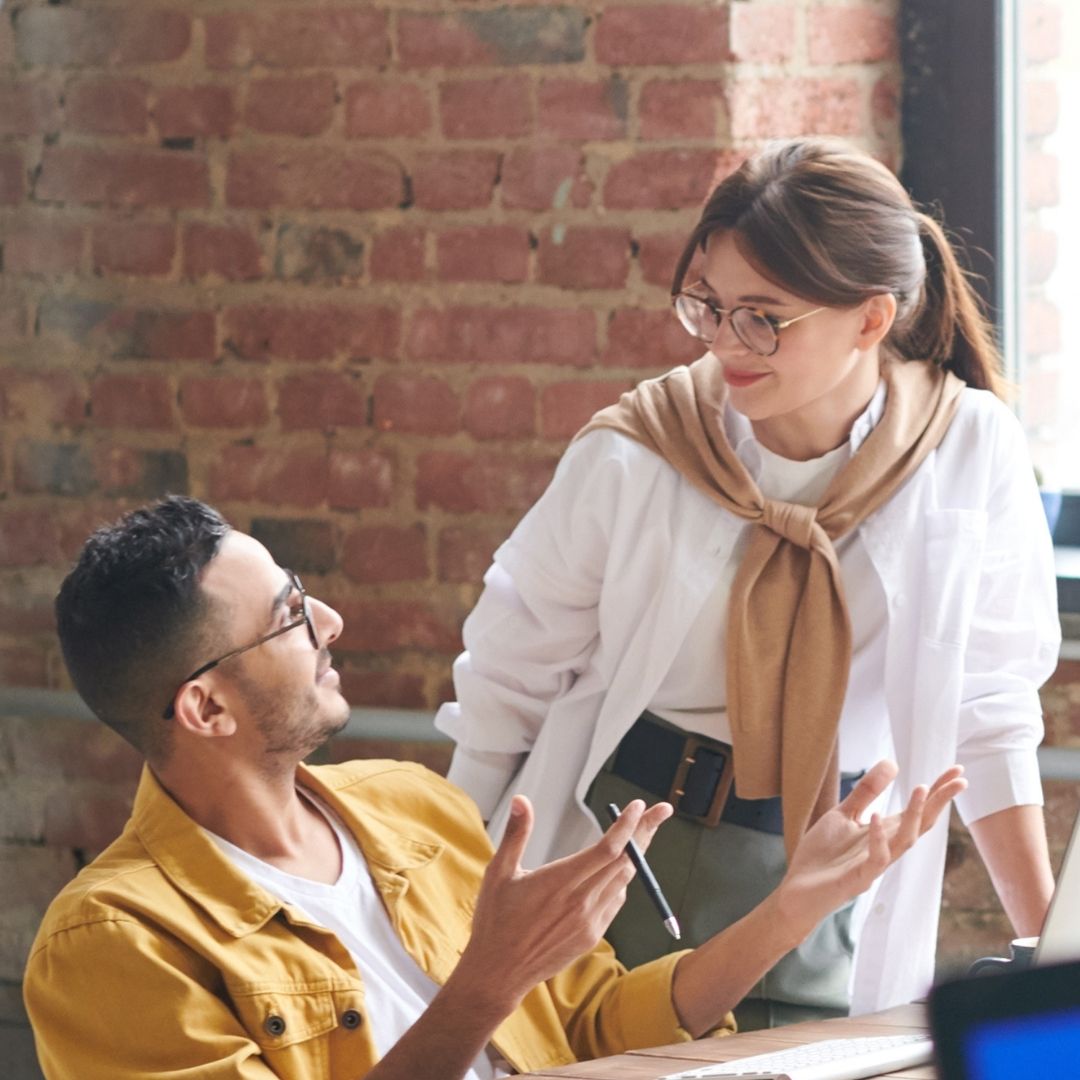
723,782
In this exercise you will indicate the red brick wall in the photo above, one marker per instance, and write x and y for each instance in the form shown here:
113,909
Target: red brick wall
355,272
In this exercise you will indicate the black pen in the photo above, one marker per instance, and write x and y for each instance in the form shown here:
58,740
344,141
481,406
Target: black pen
648,879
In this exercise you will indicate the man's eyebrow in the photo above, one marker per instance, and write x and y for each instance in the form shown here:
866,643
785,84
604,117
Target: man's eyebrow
752,298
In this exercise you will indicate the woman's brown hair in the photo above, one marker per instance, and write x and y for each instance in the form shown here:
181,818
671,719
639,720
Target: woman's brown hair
834,226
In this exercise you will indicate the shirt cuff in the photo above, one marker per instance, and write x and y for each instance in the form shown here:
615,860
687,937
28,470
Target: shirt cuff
998,782
483,774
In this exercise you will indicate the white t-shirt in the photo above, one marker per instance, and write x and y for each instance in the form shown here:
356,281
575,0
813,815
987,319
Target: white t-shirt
693,694
397,990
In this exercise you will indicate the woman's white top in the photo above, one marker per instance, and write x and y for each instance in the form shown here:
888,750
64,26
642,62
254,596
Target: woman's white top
397,990
590,602
693,694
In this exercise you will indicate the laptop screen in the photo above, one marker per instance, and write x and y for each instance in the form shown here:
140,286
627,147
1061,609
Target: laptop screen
1046,1044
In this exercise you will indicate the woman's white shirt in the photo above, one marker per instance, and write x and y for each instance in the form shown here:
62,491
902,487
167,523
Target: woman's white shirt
590,601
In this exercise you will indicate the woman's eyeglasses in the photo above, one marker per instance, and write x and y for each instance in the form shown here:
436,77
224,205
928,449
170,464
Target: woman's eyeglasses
702,317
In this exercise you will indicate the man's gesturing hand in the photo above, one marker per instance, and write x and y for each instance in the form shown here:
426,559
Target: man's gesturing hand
529,924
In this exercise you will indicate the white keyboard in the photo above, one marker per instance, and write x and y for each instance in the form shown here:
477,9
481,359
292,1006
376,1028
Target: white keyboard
832,1059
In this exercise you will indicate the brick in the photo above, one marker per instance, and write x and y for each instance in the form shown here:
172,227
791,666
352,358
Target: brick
455,179
102,37
1040,250
106,106
227,252
483,253
322,401
43,246
316,253
122,178
1042,328
761,34
299,105
185,112
173,335
29,538
415,405
1040,108
75,750
389,689
768,108
277,477
360,479
661,179
28,107
41,397
844,35
648,339
53,468
464,554
7,43
313,179
1043,32
885,108
135,473
26,603
383,626
133,247
500,407
223,402
502,37
584,257
583,109
12,179
300,38
132,401
23,665
380,109
86,322
383,554
545,178
661,34
1042,186
321,332
566,407
464,483
478,335
33,876
681,108
304,545
86,817
16,318
398,255
658,255
486,108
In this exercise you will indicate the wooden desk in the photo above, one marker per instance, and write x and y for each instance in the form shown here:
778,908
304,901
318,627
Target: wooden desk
661,1060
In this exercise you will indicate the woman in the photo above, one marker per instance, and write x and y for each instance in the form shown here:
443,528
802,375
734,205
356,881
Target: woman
819,545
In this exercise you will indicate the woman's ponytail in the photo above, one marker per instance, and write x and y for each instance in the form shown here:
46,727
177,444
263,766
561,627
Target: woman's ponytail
948,328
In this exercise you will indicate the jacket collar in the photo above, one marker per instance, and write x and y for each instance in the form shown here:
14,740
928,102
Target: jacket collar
195,865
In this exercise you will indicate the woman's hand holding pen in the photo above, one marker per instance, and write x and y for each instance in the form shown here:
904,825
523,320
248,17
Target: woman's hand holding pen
839,857
529,924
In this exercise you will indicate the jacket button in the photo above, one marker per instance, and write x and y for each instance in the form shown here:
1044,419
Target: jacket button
351,1018
274,1025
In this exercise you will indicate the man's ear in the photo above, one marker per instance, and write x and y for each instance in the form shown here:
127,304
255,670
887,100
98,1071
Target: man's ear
879,314
202,710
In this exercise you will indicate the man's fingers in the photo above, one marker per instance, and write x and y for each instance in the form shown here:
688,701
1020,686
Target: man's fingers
876,780
506,861
650,821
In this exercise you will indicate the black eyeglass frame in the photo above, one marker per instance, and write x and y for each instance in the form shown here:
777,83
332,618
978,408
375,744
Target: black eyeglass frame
304,620
774,324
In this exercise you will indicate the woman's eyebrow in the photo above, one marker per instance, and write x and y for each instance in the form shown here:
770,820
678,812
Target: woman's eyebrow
752,298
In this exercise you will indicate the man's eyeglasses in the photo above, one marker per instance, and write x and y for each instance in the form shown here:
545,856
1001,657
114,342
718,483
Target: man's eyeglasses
702,317
302,619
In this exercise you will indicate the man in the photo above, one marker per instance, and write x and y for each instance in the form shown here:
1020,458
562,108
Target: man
259,918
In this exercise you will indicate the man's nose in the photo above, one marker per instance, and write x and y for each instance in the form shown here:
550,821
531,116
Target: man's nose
328,623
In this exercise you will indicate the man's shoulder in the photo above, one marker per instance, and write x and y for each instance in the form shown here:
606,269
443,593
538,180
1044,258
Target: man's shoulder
394,786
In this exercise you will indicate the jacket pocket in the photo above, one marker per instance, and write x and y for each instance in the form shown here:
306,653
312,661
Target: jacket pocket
954,547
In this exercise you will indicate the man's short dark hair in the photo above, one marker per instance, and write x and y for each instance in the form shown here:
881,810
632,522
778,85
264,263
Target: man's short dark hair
132,618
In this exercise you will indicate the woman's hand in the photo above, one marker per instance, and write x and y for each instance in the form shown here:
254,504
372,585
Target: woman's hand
839,857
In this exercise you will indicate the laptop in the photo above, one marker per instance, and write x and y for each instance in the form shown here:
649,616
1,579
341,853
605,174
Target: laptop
1019,1023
